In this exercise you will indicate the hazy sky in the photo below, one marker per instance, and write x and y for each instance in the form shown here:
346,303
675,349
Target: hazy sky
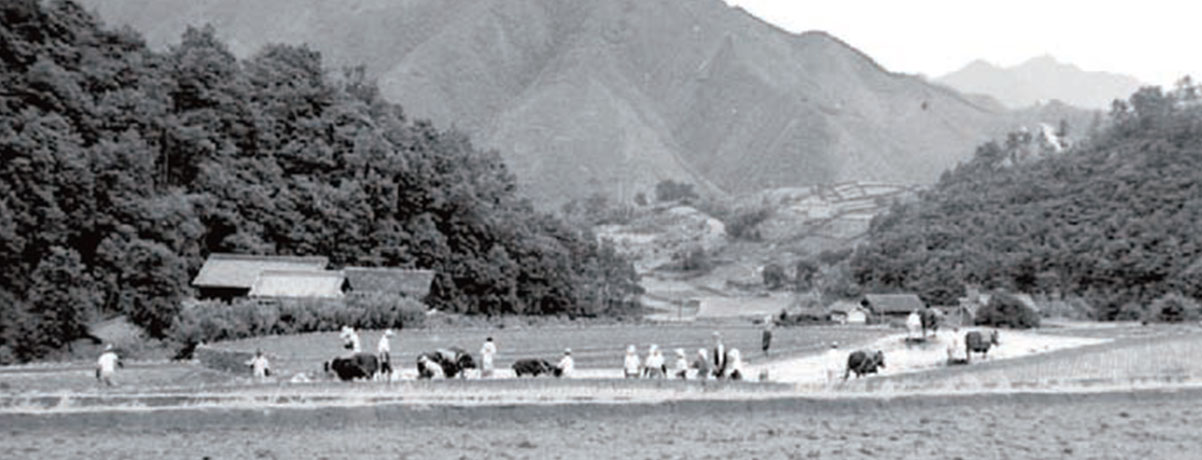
1157,41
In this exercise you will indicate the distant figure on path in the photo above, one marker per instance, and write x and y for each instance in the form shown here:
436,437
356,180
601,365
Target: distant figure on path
567,366
833,361
632,368
487,352
766,336
107,364
350,339
702,364
655,366
384,353
259,366
914,326
719,356
682,364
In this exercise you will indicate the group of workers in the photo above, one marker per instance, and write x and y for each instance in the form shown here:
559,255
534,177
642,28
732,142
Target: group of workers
726,363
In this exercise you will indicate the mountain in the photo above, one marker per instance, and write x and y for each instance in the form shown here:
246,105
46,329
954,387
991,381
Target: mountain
1042,79
614,96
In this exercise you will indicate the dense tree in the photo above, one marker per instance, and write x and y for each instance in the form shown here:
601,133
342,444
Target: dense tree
124,167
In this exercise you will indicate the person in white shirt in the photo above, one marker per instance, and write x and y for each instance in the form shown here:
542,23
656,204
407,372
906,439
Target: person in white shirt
487,353
384,354
735,364
914,325
956,352
702,364
567,366
260,367
834,362
655,362
682,364
633,366
107,364
719,356
350,339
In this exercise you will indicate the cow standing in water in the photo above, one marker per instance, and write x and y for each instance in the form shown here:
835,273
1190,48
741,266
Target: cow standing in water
976,342
862,362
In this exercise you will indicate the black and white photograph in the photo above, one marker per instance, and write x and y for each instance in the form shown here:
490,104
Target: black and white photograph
594,229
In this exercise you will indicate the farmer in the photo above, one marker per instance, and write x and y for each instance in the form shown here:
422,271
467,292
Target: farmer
702,364
957,354
914,325
259,366
107,365
567,366
833,362
384,353
350,339
487,352
719,356
736,364
682,364
656,367
766,336
632,367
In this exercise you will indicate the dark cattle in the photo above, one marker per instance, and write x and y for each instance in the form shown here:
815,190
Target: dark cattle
359,366
930,321
976,342
532,367
863,362
453,361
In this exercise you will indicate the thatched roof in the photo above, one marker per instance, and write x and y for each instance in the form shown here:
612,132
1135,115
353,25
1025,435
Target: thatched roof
411,283
241,270
298,283
894,303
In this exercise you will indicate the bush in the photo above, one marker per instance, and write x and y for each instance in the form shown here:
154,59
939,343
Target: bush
212,321
692,259
1173,308
744,225
670,190
774,276
1004,310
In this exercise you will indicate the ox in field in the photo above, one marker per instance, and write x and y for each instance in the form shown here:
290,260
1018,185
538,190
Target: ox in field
863,362
451,361
357,366
533,367
977,342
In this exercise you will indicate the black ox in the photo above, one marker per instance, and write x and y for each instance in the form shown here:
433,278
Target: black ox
358,366
453,362
534,368
977,342
863,362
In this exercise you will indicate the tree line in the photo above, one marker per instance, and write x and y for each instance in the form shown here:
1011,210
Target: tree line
125,167
1113,220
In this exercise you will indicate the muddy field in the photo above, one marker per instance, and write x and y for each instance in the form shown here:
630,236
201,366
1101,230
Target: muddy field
1153,424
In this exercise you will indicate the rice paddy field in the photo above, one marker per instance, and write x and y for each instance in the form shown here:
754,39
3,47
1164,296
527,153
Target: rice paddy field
1078,391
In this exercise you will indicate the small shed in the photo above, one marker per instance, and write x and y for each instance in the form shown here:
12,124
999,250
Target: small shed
892,305
407,282
226,276
848,312
298,284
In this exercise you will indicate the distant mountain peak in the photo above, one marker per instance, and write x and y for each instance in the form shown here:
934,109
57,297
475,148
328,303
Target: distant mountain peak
1041,78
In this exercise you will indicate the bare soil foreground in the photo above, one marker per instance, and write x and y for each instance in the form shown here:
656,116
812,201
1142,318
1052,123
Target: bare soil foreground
1141,424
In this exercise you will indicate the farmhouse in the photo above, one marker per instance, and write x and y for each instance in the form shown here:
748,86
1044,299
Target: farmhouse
892,305
298,283
848,312
226,276
407,282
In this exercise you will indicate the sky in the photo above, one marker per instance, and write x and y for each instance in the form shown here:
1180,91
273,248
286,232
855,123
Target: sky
1156,41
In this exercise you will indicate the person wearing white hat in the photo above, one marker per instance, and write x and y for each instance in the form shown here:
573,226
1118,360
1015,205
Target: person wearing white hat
736,365
260,367
107,364
350,339
632,367
834,363
682,364
384,353
656,367
487,353
567,366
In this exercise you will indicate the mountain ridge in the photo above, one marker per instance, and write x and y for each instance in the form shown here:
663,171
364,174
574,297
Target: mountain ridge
1041,78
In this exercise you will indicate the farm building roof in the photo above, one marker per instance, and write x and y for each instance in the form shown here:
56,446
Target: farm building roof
844,306
241,270
298,283
894,303
412,283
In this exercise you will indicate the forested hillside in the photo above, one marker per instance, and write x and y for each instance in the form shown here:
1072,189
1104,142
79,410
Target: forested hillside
123,168
1115,220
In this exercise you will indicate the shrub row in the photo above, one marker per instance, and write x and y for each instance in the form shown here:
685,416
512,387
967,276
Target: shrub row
211,321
